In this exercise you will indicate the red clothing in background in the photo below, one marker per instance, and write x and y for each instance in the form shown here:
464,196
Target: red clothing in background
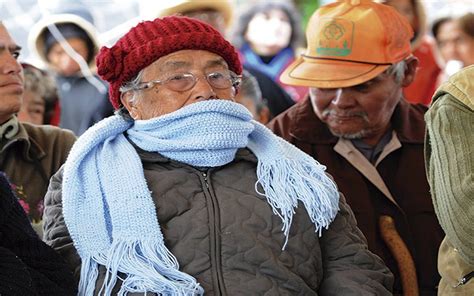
426,79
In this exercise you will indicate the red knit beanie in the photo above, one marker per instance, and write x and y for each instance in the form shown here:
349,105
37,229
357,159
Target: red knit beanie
150,40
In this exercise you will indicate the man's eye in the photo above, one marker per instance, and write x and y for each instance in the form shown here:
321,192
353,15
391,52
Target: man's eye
16,54
362,87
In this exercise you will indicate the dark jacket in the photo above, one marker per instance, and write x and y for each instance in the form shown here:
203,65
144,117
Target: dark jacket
403,173
27,265
275,97
225,235
82,105
31,157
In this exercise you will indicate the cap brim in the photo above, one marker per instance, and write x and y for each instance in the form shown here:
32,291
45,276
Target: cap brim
323,73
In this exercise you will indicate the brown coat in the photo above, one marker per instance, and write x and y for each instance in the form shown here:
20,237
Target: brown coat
226,235
397,186
30,159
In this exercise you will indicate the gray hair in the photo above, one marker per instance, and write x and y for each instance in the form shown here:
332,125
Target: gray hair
127,86
132,84
35,81
398,71
251,89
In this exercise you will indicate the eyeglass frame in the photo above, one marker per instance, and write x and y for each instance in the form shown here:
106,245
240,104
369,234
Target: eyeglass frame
235,80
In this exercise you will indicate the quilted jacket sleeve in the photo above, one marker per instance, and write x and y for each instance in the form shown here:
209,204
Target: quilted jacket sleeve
55,231
349,267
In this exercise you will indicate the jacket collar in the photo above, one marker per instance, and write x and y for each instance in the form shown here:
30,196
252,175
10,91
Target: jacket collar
407,121
30,149
459,86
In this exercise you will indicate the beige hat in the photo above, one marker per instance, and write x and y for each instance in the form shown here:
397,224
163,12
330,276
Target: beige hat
36,36
161,8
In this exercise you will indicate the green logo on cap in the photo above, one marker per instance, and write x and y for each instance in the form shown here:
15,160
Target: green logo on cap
335,37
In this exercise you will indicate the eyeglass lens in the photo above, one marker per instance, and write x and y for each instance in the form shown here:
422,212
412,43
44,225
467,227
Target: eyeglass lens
185,81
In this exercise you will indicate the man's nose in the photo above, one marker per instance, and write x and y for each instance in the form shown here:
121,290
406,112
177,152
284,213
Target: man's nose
203,90
9,65
343,98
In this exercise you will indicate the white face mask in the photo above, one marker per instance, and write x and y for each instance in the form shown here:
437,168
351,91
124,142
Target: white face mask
270,29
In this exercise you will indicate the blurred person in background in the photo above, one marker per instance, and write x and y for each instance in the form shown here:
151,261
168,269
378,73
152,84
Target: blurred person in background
83,96
357,123
29,154
250,96
449,157
421,90
268,35
220,15
455,40
40,97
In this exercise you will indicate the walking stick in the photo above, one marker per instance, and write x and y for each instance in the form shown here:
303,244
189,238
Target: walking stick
402,255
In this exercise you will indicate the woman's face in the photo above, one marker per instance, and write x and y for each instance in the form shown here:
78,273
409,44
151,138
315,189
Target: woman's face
454,44
269,32
160,99
32,109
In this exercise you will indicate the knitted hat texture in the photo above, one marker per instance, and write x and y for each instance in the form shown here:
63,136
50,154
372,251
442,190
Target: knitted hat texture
150,40
27,265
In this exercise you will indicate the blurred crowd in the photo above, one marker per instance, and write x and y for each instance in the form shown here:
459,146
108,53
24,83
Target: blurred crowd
269,35
392,147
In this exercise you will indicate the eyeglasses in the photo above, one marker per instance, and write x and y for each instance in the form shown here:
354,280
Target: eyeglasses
185,81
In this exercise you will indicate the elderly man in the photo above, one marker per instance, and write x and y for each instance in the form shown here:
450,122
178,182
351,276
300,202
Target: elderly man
357,122
29,154
181,193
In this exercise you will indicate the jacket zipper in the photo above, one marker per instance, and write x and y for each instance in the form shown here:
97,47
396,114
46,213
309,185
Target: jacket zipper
214,236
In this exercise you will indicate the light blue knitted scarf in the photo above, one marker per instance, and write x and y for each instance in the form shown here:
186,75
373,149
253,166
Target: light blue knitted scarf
110,213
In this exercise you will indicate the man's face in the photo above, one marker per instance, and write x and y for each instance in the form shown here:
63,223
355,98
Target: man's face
11,76
358,112
62,62
454,44
160,99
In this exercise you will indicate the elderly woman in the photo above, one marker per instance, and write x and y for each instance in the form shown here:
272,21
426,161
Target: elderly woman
182,193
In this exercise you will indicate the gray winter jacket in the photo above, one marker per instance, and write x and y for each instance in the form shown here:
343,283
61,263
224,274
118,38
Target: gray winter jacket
226,235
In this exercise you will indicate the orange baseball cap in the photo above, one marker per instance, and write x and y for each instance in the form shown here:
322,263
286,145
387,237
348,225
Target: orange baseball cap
350,42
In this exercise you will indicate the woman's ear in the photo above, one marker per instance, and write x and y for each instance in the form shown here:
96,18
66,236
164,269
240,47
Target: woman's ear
128,102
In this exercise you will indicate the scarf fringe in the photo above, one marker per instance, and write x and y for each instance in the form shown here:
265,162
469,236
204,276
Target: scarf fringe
147,266
89,274
287,181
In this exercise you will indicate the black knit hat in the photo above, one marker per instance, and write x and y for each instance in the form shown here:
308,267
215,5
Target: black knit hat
27,265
